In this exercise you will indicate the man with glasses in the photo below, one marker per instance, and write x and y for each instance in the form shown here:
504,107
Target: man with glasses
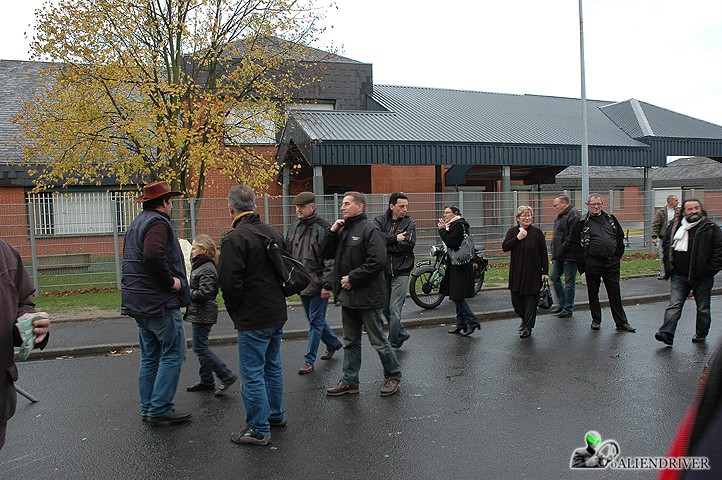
598,243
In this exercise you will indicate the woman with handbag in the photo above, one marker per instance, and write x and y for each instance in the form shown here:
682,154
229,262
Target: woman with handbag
528,268
458,281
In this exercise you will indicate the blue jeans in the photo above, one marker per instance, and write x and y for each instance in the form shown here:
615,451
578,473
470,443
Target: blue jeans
679,291
318,329
210,363
259,355
162,343
464,315
567,290
396,297
353,319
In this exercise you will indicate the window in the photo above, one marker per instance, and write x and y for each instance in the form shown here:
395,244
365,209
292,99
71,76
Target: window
82,213
252,125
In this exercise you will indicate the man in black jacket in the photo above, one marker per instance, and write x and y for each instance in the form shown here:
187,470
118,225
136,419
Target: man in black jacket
304,238
256,303
563,260
598,242
692,250
359,250
400,232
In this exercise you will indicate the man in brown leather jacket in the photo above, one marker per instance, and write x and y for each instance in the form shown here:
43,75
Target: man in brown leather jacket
15,291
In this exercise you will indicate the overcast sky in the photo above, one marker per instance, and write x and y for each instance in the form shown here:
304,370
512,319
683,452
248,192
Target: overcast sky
664,52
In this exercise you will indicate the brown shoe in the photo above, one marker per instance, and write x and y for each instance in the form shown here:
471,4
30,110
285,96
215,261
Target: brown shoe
341,389
391,387
329,353
305,368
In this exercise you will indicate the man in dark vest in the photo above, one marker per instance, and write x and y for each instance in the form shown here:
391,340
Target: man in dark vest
154,287
598,243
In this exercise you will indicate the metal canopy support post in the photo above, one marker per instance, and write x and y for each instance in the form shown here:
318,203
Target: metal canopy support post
319,191
649,204
507,210
285,199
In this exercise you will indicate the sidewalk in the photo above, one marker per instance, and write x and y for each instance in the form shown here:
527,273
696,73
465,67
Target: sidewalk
100,336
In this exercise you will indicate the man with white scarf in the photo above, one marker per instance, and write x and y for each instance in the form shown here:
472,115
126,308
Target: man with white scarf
692,250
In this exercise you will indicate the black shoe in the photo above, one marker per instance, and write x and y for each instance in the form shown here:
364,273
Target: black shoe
471,330
250,437
625,327
169,418
595,325
698,339
564,314
278,422
525,333
458,329
223,387
200,386
664,337
401,341
555,310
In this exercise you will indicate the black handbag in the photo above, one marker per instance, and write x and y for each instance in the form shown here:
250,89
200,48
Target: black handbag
465,253
545,296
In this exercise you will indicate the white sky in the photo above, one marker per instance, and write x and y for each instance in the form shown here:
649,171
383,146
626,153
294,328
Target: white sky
664,52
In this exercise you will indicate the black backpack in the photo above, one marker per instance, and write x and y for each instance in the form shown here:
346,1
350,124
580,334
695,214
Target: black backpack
292,273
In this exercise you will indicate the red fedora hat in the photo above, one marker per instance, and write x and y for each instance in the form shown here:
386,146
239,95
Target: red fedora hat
156,190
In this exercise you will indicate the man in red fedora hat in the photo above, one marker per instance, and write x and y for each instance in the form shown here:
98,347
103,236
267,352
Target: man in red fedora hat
154,287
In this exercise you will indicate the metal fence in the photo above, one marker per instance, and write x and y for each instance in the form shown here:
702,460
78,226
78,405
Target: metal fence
75,242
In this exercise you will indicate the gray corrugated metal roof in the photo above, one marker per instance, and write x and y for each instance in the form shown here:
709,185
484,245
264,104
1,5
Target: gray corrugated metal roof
640,119
455,116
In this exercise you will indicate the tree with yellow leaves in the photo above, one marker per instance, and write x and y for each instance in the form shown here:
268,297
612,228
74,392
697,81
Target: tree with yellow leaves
145,90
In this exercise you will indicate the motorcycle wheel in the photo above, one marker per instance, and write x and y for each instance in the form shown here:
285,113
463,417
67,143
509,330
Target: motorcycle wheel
423,293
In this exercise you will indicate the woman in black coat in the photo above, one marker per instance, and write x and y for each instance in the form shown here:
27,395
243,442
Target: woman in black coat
529,266
458,281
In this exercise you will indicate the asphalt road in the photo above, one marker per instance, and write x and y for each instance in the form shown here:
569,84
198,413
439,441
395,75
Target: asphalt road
492,406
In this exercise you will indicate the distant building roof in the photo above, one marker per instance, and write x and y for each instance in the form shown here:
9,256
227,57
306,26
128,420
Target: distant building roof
413,125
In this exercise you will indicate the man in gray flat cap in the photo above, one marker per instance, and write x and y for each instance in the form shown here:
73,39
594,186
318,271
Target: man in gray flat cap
304,239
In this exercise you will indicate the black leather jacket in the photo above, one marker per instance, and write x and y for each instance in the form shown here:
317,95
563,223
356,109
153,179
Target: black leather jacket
360,252
400,259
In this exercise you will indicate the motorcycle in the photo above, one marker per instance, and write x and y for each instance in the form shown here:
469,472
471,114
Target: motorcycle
426,278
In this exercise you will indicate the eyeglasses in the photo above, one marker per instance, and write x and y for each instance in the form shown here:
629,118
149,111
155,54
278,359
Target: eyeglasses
447,212
594,204
526,215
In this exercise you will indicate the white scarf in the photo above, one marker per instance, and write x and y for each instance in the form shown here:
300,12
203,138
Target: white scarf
681,237
452,220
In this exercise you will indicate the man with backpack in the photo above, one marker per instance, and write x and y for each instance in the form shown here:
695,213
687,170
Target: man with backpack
257,305
304,238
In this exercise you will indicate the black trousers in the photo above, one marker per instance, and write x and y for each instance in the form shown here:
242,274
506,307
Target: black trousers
525,306
608,270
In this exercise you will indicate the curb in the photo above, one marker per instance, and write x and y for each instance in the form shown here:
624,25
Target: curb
225,340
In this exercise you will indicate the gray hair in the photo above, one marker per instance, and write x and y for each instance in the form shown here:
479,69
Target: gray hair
523,209
241,198
595,195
